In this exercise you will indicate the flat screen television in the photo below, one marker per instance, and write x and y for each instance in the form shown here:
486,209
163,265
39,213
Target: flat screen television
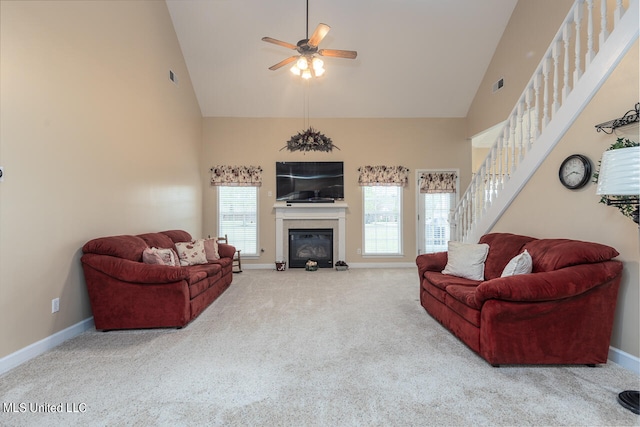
309,181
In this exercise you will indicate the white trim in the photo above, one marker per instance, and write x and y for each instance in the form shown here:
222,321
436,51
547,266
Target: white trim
37,348
626,360
351,265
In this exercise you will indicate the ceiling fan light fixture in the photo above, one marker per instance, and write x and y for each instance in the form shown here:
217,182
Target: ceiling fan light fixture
302,63
306,74
295,70
317,63
319,72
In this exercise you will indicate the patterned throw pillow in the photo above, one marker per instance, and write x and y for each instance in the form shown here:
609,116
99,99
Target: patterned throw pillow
160,257
191,253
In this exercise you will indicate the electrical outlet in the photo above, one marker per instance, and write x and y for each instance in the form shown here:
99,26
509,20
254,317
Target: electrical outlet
55,305
359,251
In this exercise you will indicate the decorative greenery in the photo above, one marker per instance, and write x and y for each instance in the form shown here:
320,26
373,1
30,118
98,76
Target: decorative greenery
627,209
309,140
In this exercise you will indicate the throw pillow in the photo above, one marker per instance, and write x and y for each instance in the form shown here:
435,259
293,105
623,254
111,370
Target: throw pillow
519,264
191,253
160,257
466,260
211,249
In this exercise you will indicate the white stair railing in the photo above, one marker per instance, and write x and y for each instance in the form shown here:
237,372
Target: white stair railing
558,91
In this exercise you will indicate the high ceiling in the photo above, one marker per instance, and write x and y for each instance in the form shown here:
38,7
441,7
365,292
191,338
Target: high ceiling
416,58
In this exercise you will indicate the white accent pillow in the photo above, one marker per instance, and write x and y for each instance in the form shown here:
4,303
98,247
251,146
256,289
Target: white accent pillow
466,260
191,253
519,264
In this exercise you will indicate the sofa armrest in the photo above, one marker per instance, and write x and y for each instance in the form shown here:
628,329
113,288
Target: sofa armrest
226,251
431,262
549,286
134,272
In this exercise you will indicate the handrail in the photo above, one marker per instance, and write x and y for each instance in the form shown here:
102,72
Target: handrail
558,73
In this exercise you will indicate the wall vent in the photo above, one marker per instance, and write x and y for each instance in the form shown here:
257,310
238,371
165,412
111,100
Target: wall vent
498,85
173,77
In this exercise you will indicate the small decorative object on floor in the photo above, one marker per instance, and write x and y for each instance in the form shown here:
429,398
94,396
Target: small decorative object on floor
281,265
311,265
342,266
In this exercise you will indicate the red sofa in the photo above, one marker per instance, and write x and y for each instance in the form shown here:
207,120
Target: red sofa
127,293
560,313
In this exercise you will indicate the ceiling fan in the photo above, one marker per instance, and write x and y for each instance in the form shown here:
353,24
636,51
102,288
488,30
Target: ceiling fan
307,64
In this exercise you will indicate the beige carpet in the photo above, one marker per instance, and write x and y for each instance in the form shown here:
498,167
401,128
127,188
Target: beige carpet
301,348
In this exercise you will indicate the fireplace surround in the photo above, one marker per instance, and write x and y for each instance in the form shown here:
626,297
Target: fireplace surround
310,216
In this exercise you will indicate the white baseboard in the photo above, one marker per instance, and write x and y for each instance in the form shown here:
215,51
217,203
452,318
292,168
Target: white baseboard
626,360
352,265
23,355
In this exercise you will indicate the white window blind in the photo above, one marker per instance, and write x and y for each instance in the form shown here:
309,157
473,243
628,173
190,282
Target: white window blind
437,230
238,217
382,220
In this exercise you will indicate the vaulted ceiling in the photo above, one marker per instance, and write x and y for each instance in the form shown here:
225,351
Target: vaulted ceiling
416,58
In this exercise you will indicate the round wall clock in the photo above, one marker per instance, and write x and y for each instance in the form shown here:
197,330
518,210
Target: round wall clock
575,171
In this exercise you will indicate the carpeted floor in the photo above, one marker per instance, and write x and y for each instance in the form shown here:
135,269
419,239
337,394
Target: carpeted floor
299,348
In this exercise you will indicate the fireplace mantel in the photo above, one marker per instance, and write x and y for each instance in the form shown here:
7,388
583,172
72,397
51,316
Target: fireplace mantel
310,211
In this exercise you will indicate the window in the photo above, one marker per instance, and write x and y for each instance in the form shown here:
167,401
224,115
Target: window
238,217
437,196
382,220
437,230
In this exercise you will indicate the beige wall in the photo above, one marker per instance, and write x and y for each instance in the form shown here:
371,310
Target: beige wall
545,208
94,140
413,143
532,26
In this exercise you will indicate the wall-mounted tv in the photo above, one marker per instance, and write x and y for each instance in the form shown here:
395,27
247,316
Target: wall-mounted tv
309,181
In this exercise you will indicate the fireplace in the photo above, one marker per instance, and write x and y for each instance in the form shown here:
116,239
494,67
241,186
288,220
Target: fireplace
310,243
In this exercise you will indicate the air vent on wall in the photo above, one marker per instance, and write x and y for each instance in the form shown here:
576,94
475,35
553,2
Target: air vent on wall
498,85
173,77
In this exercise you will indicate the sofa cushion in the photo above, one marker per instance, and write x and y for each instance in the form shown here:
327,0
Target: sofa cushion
461,299
502,248
519,264
441,281
466,260
178,235
554,254
191,253
157,240
125,246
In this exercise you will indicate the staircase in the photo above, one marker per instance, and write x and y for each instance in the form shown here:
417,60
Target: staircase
563,84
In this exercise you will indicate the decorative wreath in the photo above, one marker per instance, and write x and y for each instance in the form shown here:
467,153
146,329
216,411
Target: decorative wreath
309,140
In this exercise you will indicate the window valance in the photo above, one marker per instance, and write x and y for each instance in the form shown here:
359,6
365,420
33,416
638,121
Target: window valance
438,182
383,175
243,176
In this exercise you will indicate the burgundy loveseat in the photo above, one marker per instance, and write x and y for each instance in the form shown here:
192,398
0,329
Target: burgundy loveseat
560,313
127,293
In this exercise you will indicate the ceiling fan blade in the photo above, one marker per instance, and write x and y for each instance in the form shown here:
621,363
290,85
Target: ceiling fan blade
317,36
282,63
349,54
279,43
